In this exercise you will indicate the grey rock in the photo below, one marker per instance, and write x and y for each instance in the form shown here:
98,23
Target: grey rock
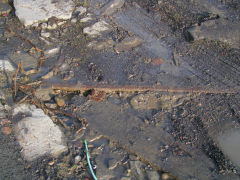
137,171
97,29
144,101
112,6
34,11
37,134
153,175
44,93
77,159
128,44
6,65
219,29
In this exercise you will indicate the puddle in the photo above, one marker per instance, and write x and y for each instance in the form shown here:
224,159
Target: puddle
230,144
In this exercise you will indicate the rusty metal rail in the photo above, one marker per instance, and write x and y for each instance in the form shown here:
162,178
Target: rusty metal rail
133,88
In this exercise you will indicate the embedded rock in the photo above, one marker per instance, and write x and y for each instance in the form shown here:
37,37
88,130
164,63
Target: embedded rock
34,11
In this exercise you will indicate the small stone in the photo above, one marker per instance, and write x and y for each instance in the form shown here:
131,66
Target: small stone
53,26
5,9
52,52
7,130
153,175
144,101
51,163
44,25
60,101
45,34
80,10
128,44
166,176
51,105
112,6
86,19
77,159
5,65
5,121
97,29
61,23
44,93
157,62
74,20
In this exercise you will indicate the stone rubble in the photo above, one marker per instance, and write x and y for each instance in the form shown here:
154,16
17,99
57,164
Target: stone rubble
35,11
97,29
5,65
37,134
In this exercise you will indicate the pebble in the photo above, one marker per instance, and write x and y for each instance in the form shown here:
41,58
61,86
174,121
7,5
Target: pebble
51,52
128,44
59,100
77,159
44,93
144,101
74,20
157,62
35,11
45,34
80,10
7,130
97,29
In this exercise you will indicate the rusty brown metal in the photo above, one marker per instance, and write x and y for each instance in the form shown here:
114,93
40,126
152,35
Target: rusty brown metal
137,88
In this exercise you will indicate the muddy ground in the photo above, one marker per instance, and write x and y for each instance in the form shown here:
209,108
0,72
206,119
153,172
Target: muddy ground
176,135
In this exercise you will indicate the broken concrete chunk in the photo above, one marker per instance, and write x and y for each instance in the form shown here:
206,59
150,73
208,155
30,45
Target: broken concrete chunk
128,44
219,29
97,29
33,11
37,134
112,6
144,101
5,65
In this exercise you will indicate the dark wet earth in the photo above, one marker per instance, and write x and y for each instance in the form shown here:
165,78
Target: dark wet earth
135,135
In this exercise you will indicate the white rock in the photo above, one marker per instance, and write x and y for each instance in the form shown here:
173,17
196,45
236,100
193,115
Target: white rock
97,28
74,20
37,134
45,34
87,18
51,52
81,10
5,65
33,11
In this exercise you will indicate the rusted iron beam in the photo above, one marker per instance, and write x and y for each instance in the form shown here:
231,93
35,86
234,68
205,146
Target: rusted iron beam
136,88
